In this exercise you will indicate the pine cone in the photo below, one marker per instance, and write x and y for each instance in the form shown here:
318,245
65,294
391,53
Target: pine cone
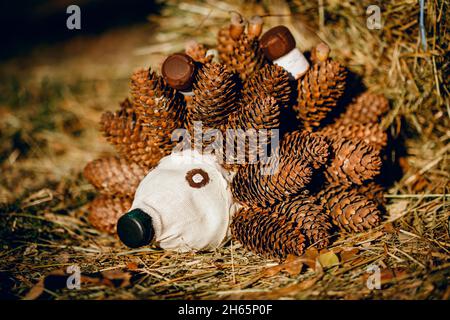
246,58
371,133
215,95
373,191
146,84
266,232
270,80
350,210
263,113
114,176
366,108
319,92
198,52
311,218
124,130
257,184
312,147
225,45
160,108
239,51
353,161
105,211
259,113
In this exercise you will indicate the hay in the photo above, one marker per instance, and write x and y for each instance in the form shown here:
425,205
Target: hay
50,104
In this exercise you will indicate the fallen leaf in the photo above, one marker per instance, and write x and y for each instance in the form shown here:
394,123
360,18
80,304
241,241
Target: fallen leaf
310,257
35,291
404,164
338,250
132,266
272,271
388,275
288,291
328,259
293,265
57,280
420,184
347,255
389,228
51,281
118,278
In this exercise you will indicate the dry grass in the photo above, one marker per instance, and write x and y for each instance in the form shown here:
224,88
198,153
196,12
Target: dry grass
51,100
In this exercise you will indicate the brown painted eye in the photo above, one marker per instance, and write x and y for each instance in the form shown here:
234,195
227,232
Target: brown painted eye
197,178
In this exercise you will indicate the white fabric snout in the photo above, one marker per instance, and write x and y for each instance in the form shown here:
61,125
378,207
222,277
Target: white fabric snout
189,200
294,62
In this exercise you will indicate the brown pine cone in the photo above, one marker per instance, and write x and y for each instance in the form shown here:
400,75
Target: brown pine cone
215,95
125,131
311,218
225,45
146,84
246,58
319,92
312,147
114,176
105,211
350,210
268,233
198,52
261,113
265,184
371,133
353,161
373,191
160,108
240,51
270,80
366,108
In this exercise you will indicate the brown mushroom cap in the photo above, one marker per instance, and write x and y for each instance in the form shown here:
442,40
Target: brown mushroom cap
277,42
178,71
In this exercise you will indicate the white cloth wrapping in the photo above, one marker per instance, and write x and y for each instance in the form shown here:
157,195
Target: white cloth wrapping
187,217
294,62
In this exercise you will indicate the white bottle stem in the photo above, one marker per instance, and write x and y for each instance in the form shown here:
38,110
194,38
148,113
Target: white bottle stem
294,62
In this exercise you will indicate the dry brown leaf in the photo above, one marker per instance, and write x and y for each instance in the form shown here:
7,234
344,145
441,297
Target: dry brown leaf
389,275
389,228
420,184
272,271
347,255
310,257
288,291
37,290
117,278
293,265
57,280
132,266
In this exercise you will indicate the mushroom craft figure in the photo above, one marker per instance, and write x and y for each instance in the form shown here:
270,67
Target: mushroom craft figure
311,175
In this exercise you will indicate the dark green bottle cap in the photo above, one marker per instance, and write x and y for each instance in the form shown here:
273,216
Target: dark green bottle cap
135,228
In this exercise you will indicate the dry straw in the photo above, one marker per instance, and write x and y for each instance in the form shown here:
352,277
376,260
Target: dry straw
46,141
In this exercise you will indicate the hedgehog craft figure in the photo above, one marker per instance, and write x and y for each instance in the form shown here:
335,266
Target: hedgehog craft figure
310,175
